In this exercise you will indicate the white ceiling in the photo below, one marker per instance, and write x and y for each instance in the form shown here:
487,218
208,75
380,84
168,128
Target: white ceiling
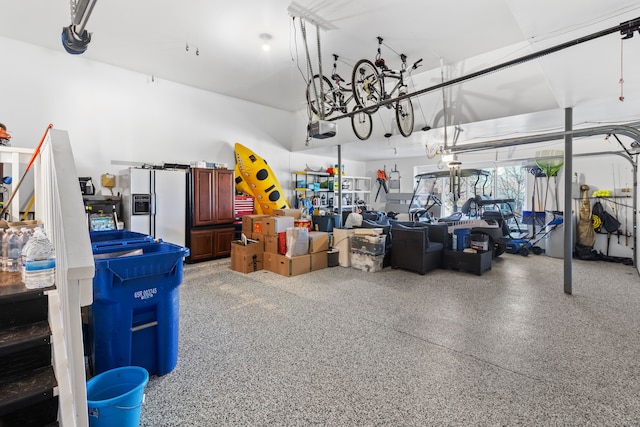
150,36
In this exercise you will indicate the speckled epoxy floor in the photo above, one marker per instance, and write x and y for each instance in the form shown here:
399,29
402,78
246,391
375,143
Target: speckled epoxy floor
343,347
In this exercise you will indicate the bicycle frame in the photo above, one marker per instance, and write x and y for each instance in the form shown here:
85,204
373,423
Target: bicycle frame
337,97
369,86
383,76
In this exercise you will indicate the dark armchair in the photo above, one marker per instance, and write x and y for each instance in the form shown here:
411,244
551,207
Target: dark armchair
417,246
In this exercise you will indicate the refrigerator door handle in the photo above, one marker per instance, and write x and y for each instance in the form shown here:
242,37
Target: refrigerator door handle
152,208
152,216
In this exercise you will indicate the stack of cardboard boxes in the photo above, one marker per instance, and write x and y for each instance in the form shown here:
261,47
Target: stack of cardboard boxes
269,247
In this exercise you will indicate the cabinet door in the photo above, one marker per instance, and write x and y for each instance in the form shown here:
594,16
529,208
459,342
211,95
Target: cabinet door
203,197
224,185
201,247
222,241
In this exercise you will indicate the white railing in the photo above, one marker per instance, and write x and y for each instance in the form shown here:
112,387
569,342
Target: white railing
60,207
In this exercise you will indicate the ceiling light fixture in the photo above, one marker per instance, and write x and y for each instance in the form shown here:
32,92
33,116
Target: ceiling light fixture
266,41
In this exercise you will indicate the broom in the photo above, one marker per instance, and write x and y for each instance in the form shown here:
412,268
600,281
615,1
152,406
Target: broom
33,159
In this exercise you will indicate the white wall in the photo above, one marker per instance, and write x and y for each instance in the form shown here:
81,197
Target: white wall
117,115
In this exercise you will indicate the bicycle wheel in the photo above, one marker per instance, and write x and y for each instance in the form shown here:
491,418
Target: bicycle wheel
404,116
366,86
328,99
362,124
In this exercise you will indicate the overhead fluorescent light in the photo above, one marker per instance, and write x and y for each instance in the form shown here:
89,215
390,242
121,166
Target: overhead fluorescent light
447,158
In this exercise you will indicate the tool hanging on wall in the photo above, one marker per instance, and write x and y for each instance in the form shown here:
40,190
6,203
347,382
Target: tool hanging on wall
550,161
33,159
382,181
394,179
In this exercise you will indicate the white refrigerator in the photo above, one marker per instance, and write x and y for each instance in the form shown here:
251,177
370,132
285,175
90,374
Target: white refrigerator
154,202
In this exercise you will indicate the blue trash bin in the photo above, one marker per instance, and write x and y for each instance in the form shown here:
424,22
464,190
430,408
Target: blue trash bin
134,317
117,238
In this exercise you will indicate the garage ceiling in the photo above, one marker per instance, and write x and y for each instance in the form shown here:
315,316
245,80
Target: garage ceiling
453,39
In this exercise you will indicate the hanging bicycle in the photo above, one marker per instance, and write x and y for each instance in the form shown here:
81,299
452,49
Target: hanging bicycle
337,98
369,88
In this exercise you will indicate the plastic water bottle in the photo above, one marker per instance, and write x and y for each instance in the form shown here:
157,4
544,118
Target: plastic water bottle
2,249
39,261
5,240
25,235
11,250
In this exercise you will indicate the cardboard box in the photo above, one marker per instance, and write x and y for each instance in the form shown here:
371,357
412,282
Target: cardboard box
250,223
319,260
318,241
296,213
342,241
238,248
273,225
247,263
370,245
271,244
286,266
256,236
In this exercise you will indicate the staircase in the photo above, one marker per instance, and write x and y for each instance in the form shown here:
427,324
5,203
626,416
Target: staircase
28,387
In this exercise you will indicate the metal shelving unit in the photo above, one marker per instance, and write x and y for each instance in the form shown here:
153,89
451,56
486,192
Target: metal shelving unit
315,186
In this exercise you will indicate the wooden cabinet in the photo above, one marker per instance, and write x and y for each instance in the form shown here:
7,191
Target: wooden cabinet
208,243
211,229
213,191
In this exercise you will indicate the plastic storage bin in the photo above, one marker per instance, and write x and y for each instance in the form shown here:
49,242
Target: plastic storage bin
134,317
462,235
326,222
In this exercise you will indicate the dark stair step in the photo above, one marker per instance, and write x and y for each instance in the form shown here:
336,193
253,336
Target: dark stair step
23,390
19,338
19,305
41,414
25,360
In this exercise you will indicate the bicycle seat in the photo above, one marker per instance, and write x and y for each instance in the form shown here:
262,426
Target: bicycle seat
336,77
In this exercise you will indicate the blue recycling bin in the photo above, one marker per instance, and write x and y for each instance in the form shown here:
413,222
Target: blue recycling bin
134,317
117,238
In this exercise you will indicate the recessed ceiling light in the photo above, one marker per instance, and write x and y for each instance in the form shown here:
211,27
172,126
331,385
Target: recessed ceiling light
266,41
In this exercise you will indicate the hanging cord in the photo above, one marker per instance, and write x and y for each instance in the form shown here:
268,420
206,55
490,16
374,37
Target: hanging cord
320,72
444,104
309,67
294,57
621,81
426,125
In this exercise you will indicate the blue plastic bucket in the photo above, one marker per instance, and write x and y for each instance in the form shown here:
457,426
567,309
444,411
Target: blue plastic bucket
462,234
115,397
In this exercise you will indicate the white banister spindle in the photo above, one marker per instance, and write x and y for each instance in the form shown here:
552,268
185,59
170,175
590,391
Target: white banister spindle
60,207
